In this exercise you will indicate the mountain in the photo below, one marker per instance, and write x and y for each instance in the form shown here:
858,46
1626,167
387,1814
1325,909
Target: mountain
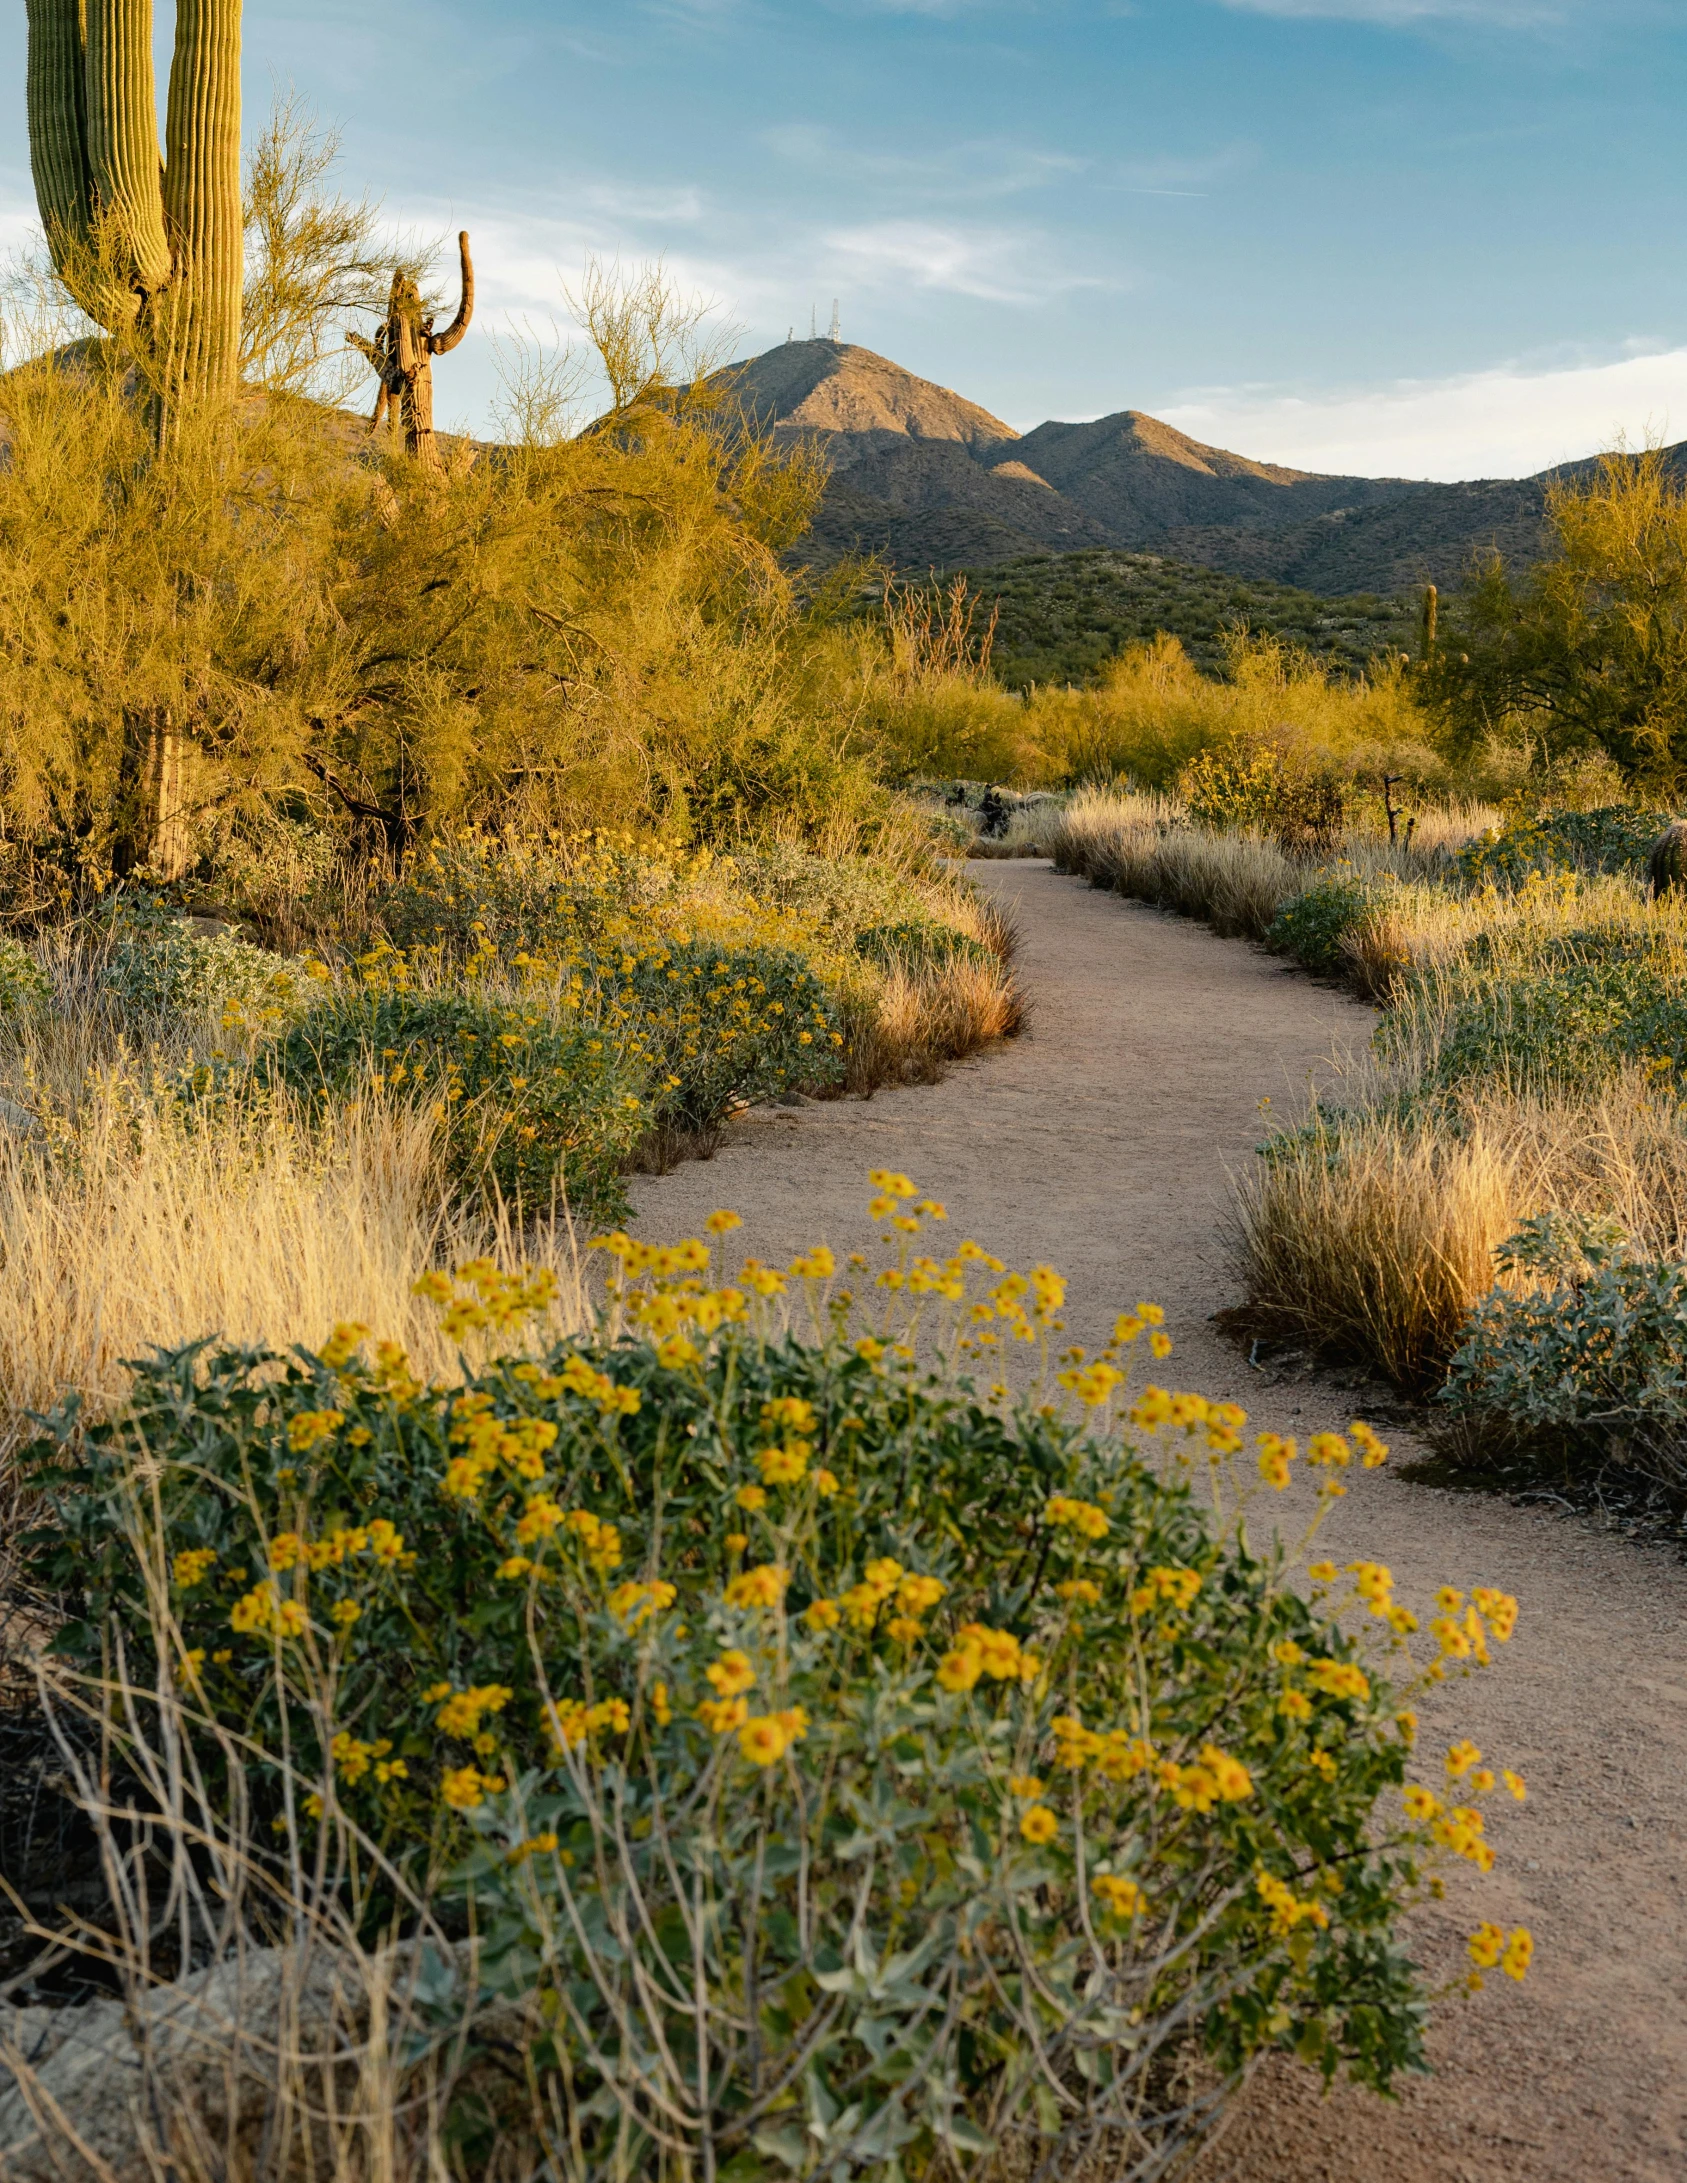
929,480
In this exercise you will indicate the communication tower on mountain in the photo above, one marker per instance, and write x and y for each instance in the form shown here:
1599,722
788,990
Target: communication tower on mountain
834,331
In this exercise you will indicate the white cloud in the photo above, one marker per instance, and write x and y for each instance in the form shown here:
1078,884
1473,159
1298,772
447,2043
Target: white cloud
964,171
1397,14
1506,422
998,265
654,207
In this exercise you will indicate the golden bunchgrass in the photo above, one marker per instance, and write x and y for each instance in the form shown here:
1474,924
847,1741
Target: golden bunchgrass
1374,1235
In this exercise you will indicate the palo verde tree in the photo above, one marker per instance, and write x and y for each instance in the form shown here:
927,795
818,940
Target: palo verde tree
1587,651
149,246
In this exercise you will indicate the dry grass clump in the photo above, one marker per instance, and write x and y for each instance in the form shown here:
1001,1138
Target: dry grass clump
1146,846
153,1224
1371,1234
915,1023
1031,831
1143,846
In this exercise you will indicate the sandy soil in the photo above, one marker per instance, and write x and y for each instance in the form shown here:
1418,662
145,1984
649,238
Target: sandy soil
1102,1142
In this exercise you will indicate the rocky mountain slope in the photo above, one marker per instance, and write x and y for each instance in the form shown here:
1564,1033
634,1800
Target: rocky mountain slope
929,480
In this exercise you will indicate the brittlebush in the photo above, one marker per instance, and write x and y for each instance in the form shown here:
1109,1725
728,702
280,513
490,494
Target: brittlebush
852,1769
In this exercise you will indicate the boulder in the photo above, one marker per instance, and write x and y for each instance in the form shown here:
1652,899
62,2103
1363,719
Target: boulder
228,2072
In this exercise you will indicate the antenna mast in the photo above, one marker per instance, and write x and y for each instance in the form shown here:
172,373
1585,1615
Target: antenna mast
833,331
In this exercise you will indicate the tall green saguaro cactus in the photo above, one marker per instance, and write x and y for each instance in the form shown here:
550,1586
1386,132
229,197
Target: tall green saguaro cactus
150,244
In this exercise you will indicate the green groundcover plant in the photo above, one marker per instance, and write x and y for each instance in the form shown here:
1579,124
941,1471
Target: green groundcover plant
855,1772
1571,1017
1592,1363
1615,838
1312,924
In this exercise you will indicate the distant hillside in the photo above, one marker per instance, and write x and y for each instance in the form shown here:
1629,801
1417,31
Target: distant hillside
927,480
1064,615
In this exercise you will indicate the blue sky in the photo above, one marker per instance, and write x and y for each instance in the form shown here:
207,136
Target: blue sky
1429,237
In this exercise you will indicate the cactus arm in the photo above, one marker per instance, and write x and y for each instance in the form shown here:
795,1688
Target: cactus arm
442,344
201,192
123,162
58,125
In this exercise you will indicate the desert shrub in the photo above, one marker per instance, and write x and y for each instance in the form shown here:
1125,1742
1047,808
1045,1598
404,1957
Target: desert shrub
1587,1367
1615,838
529,1104
917,1777
1565,1021
23,982
918,945
720,1024
1313,924
1261,788
167,968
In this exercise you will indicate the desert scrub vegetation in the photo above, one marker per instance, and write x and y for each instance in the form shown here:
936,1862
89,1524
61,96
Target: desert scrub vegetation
453,829
724,1737
201,1135
1490,1204
1064,617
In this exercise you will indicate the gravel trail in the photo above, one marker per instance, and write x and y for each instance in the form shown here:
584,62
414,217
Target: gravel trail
1102,1142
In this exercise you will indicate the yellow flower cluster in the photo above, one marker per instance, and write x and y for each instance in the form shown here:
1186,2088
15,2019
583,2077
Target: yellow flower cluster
310,1428
1083,1517
1465,1637
1276,1454
191,1567
1176,1588
379,1539
1221,1422
1121,1898
1149,1319
353,1759
465,1788
1214,1778
766,1737
763,1586
577,1377
488,1442
343,1344
263,1612
495,1300
981,1651
461,1710
632,1605
863,1601
1093,1384
1340,1679
1490,1945
573,1722
1286,1908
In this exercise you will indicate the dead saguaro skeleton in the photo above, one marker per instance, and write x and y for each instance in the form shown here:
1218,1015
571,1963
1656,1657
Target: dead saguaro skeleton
402,354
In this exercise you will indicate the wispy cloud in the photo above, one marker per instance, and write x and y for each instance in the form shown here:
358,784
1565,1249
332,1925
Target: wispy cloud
1000,265
968,168
1505,422
1403,14
646,207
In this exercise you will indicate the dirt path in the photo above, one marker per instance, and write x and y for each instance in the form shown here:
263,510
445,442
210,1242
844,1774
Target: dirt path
1100,1142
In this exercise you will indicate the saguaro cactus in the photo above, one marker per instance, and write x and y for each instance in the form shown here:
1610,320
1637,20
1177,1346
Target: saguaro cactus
1667,863
403,351
148,243
1428,616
